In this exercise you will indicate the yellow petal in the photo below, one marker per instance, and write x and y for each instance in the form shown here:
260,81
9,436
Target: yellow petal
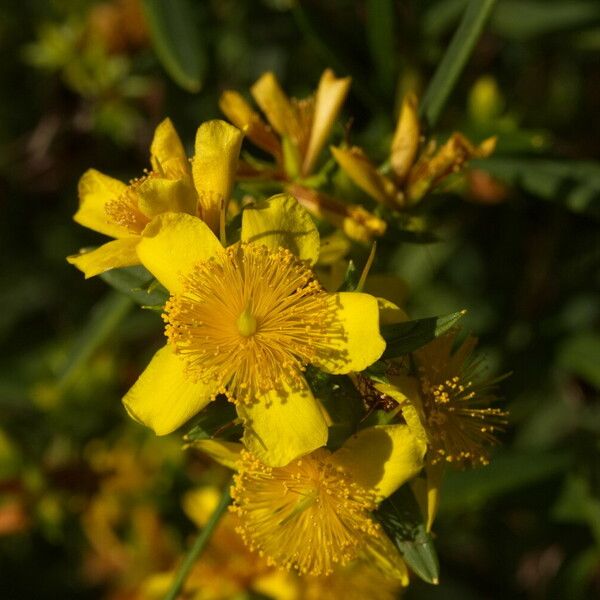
406,138
240,113
364,174
329,98
172,244
283,425
199,504
281,222
225,453
163,398
430,171
95,191
274,102
167,154
359,343
277,584
334,248
405,391
214,167
392,287
382,458
427,492
381,552
157,195
112,255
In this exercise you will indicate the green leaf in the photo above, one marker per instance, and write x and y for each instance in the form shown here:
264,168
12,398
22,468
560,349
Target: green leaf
455,59
380,36
508,472
175,40
105,318
573,184
137,283
524,19
580,355
402,338
402,520
219,418
351,278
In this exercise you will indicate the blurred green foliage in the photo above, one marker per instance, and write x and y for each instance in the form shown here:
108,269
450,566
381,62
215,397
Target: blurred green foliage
522,257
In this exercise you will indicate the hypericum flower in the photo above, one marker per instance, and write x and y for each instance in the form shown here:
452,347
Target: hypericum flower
355,581
314,513
245,321
411,175
295,136
173,185
303,126
449,402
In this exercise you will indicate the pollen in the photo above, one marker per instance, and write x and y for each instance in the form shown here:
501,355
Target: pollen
308,516
125,211
460,422
249,319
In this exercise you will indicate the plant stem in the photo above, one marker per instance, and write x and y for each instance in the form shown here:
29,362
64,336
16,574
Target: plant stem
446,76
198,547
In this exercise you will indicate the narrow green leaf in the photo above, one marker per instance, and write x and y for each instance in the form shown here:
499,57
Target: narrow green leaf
455,59
380,36
402,338
573,184
524,19
402,520
105,318
508,472
137,283
175,39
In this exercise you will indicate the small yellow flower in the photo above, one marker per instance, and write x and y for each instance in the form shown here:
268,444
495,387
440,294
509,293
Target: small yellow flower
411,174
449,402
245,321
295,136
314,513
173,185
298,129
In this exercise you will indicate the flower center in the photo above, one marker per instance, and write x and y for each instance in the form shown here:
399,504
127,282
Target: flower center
459,426
249,320
308,515
246,323
125,211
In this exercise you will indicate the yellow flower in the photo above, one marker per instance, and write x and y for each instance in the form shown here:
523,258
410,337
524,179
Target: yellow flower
355,581
173,185
411,175
295,136
245,321
303,126
314,513
449,402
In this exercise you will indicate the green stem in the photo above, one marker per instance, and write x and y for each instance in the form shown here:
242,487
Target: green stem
455,59
198,547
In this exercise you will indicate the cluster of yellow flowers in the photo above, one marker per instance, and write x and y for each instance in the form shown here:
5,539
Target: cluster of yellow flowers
248,320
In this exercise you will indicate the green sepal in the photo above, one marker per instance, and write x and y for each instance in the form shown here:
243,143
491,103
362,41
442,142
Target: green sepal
139,284
351,278
402,338
342,402
402,520
218,419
